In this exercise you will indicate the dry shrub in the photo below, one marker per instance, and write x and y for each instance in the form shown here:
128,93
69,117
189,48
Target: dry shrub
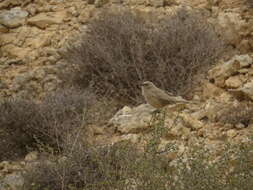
235,114
14,122
93,168
121,49
122,166
26,123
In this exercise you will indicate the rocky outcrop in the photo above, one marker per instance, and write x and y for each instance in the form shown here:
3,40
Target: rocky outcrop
209,122
32,32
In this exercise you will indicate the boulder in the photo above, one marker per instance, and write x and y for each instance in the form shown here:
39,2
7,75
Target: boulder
13,18
132,120
234,82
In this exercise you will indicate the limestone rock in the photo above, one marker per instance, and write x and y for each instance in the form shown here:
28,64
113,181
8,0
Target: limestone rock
210,90
44,20
232,133
234,82
232,24
192,122
246,90
13,18
221,72
132,120
32,156
13,51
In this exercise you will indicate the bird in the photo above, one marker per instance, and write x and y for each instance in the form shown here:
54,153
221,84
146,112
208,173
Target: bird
158,98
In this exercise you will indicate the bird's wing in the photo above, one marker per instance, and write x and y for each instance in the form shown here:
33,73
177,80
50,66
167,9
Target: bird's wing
163,96
167,98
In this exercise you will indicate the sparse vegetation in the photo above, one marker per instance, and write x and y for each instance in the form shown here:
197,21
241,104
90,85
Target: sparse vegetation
26,123
122,166
121,49
236,114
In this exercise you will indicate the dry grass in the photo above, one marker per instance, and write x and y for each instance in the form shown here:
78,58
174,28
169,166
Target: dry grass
121,49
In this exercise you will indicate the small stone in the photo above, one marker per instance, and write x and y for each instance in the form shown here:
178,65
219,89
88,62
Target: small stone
43,20
234,82
232,133
240,126
13,18
32,156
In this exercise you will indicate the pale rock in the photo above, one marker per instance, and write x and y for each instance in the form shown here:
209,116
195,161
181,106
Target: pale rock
32,9
213,109
234,82
240,126
222,71
244,60
191,121
210,90
231,23
32,156
246,90
232,133
134,138
44,20
132,120
7,39
39,42
50,86
15,52
13,18
179,130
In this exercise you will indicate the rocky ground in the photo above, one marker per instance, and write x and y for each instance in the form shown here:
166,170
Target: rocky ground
33,34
